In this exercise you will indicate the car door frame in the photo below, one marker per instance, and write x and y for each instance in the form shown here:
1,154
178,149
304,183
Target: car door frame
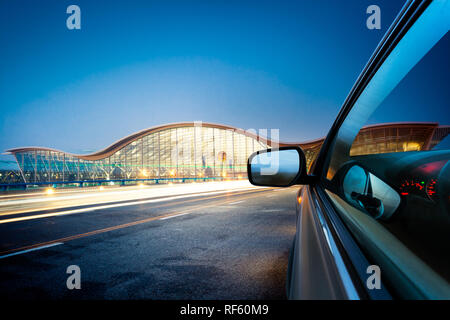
325,260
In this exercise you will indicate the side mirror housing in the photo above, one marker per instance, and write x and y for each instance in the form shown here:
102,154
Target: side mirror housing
365,191
280,167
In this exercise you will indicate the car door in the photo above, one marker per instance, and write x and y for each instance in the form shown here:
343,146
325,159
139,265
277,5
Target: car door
374,212
376,222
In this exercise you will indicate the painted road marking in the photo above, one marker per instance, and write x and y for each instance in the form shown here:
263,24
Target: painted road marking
177,215
32,249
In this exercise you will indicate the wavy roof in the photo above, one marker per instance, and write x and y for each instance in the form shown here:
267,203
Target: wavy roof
121,143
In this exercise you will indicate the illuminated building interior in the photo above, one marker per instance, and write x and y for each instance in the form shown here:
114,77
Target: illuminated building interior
388,137
181,150
206,151
398,137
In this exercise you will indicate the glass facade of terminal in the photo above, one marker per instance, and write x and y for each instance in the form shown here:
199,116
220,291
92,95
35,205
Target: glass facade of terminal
205,152
391,138
180,152
387,138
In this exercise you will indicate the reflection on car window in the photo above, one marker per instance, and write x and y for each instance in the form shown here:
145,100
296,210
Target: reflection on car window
414,116
391,156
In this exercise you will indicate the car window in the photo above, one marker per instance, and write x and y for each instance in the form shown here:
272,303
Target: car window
389,169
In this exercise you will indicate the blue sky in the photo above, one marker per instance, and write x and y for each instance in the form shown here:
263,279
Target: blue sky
136,64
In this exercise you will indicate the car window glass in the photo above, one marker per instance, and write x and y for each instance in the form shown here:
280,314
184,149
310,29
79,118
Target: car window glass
390,159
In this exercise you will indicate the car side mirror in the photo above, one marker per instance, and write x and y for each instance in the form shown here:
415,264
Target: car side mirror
366,191
280,167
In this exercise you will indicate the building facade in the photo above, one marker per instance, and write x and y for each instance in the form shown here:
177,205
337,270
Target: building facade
387,138
398,137
201,151
181,150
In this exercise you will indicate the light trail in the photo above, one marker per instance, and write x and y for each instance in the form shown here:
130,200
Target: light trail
11,207
101,207
130,224
136,192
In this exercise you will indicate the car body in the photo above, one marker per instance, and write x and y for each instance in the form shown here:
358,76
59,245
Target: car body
360,219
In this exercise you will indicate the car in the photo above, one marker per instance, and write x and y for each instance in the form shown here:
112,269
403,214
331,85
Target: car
373,213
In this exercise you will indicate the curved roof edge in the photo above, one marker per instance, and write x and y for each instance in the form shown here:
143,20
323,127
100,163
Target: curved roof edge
402,124
431,125
123,142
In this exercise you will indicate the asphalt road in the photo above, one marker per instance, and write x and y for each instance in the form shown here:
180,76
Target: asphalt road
229,245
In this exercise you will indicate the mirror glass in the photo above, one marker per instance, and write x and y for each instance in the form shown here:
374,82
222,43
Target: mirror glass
366,191
275,168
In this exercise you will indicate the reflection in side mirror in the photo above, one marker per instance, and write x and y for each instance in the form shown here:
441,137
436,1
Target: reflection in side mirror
276,167
366,191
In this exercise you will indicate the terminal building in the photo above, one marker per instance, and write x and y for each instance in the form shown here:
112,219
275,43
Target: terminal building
181,150
191,150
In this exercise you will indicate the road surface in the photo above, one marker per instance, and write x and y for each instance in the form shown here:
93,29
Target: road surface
213,243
